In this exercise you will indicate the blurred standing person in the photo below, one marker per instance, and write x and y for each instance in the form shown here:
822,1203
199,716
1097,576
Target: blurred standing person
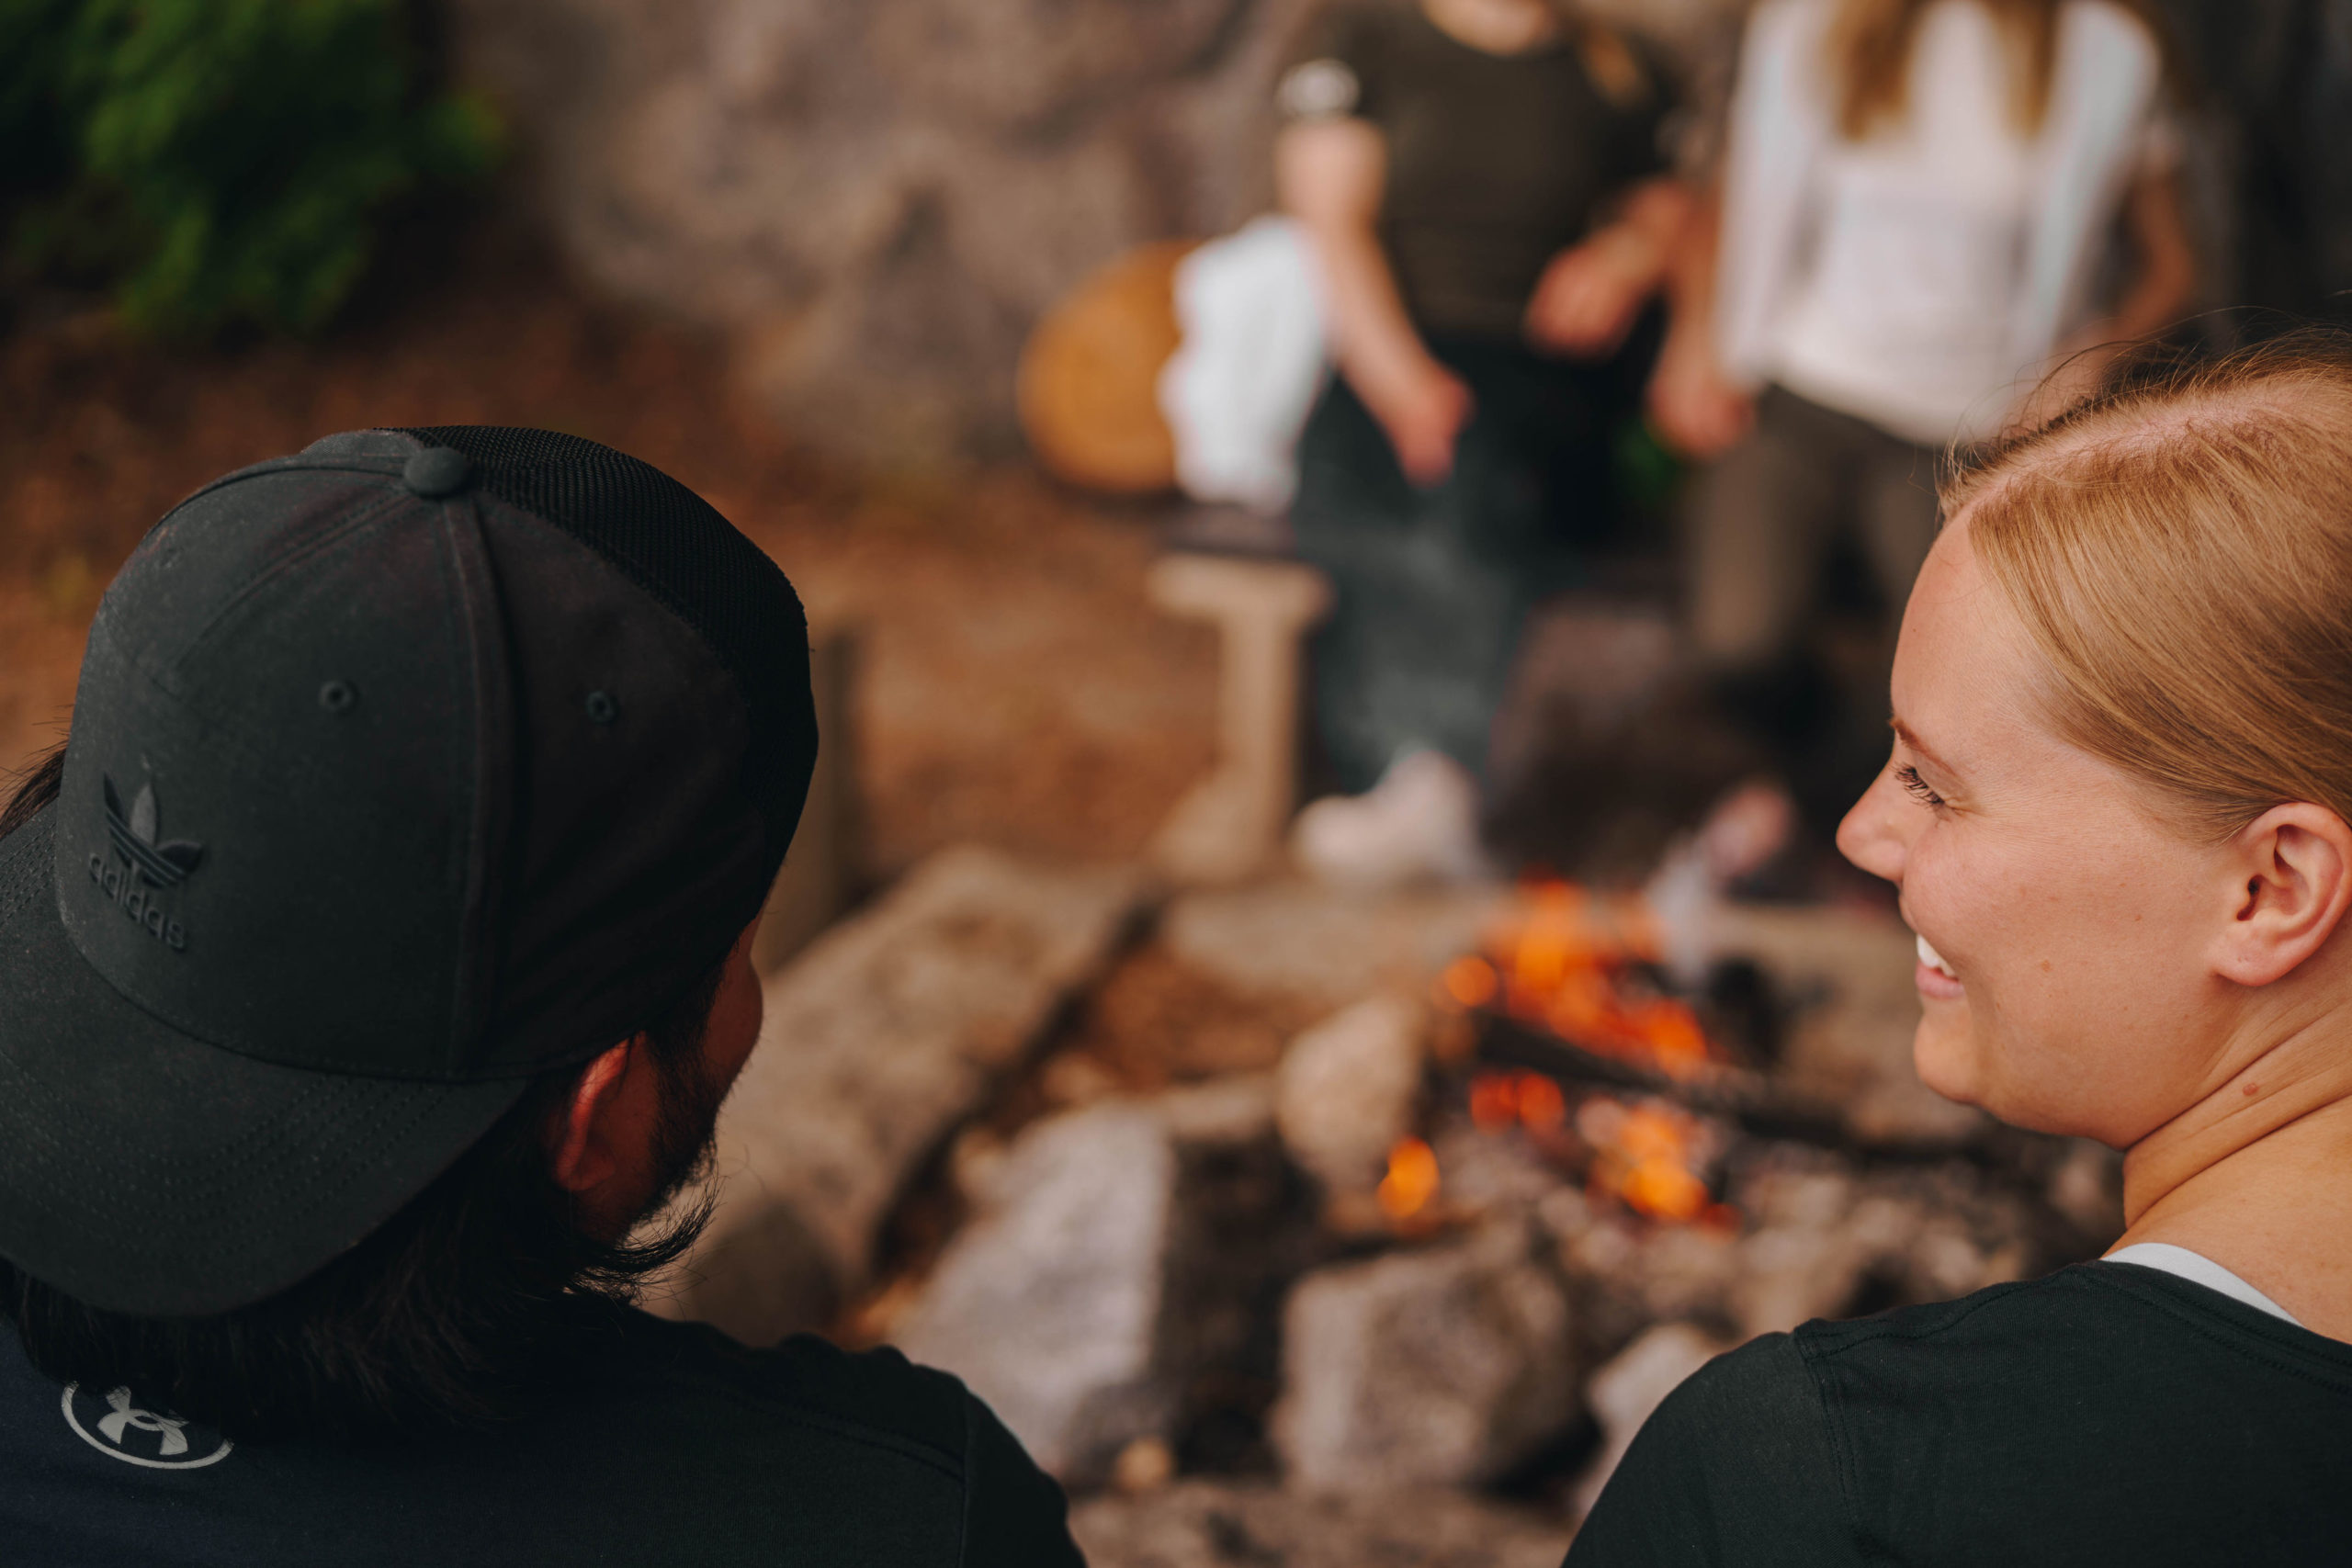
2272,80
1484,190
1918,201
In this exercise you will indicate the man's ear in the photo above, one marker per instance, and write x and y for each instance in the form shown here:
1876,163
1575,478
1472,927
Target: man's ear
583,1157
2292,867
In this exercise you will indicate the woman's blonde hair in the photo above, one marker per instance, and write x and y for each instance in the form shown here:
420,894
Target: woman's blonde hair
1871,42
2181,552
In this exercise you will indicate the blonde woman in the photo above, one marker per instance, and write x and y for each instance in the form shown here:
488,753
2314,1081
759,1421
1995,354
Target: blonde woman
1482,183
1917,205
2119,814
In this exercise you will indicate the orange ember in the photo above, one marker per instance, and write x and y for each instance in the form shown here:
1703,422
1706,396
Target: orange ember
1541,1106
1566,959
1499,1099
1494,1101
1647,1156
1664,1191
1411,1180
1470,982
1559,962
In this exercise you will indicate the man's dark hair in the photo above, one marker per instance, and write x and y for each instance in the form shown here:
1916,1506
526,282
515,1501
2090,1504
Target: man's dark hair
461,1309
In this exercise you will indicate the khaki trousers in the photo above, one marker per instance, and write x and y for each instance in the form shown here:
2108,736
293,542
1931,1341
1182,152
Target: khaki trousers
1763,519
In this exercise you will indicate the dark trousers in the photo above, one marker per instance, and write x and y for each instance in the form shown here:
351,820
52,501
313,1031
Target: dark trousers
1433,585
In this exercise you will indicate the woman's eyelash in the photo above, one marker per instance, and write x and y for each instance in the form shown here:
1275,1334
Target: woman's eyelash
1908,777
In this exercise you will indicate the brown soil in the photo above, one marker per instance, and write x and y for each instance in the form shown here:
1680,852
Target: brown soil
1015,685
1155,1020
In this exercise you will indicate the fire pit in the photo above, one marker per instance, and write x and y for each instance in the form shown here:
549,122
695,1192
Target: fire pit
1290,1193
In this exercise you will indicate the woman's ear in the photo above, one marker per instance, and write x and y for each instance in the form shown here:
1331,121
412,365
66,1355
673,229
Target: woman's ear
2292,871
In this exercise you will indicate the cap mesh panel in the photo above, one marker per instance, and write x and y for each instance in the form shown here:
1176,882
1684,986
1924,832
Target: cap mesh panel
677,547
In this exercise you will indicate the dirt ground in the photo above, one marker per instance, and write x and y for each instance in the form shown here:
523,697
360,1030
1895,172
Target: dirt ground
1015,685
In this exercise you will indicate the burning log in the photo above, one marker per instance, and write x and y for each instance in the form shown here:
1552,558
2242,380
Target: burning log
1749,1099
1570,985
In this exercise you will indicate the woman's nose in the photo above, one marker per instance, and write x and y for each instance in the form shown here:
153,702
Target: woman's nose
1871,835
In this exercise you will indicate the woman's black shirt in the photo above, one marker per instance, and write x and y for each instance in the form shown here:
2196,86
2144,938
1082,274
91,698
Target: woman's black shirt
2108,1413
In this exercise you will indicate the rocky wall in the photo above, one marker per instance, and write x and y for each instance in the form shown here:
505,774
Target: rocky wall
875,199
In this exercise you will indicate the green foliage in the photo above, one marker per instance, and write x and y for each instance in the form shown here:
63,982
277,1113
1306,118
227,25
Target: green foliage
1647,472
219,160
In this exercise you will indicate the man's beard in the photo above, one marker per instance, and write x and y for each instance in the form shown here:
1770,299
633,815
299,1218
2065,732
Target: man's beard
685,1142
685,1134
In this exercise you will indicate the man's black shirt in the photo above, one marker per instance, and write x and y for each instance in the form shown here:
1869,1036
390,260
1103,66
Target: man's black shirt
675,1447
2108,1413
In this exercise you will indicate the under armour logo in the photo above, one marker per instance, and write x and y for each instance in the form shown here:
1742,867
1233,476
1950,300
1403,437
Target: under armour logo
127,1415
124,1418
133,836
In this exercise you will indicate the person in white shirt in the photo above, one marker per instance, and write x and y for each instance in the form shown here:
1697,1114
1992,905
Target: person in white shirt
1918,212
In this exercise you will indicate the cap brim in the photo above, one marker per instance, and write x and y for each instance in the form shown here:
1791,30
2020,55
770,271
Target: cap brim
147,1172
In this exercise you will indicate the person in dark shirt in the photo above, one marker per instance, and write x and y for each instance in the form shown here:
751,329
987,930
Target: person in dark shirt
2119,812
1482,185
374,957
2271,80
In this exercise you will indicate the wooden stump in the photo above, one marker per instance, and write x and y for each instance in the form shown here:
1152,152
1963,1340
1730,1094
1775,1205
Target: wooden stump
1089,385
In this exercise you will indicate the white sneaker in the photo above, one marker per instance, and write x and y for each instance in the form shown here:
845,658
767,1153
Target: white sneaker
1420,823
1745,829
1685,895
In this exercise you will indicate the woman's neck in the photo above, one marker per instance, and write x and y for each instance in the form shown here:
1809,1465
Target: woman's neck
1495,27
2258,1176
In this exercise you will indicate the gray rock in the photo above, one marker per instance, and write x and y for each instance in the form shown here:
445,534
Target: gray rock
1347,1089
1496,1175
1828,1238
1793,1274
1300,940
1049,1304
1607,747
879,1039
1624,1393
1119,1252
880,199
1210,1524
1630,1274
1439,1367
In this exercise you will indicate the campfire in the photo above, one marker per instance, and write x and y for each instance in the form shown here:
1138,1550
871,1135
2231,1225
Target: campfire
1576,963
1580,968
1277,1155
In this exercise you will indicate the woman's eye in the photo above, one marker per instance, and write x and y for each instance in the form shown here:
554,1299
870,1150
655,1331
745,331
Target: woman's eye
1908,777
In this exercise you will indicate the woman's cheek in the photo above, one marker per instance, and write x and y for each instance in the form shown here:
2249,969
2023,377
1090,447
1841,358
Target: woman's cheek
1945,1052
1949,1051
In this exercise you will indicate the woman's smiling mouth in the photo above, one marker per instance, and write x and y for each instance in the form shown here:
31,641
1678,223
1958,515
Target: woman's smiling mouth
1934,976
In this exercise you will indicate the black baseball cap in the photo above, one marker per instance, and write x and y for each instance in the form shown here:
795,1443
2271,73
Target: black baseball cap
402,770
